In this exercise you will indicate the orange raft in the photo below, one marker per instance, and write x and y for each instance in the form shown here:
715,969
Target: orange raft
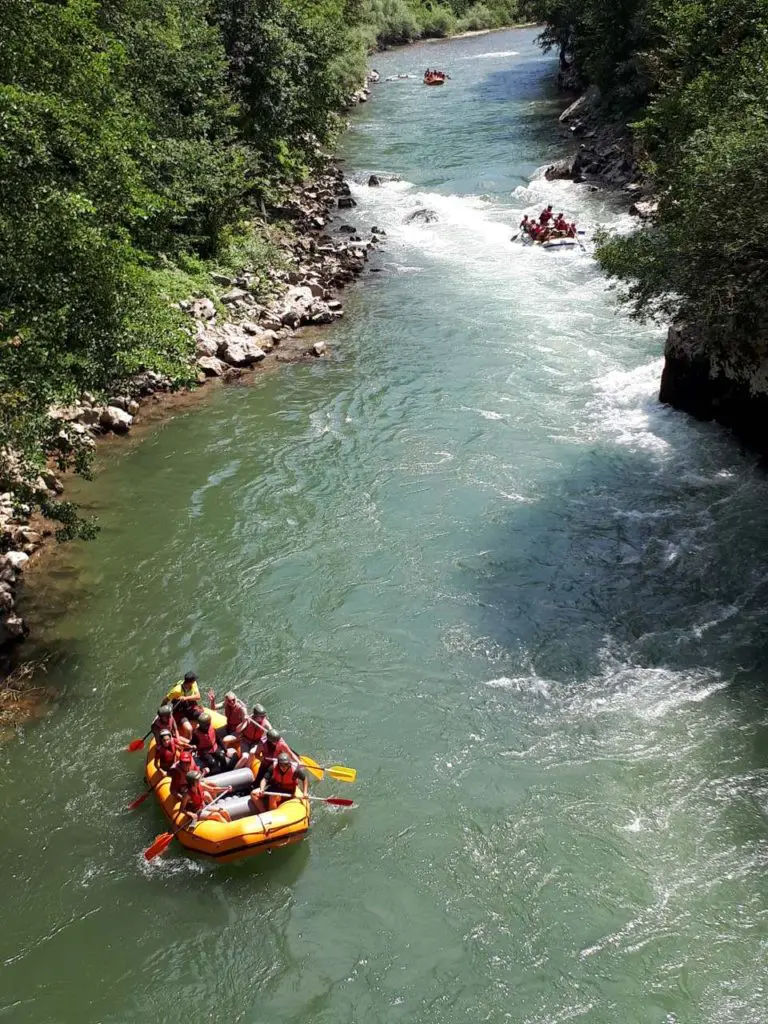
245,836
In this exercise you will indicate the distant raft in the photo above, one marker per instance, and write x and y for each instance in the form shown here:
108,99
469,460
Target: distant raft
248,833
551,243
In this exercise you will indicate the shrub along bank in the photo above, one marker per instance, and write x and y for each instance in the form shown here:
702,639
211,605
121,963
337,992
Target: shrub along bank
692,80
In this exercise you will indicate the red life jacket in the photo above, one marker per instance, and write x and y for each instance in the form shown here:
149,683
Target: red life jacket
284,779
158,725
205,741
179,774
166,755
236,715
545,216
253,731
268,753
195,796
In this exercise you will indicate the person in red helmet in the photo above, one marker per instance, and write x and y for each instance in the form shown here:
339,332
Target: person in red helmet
178,772
282,781
546,215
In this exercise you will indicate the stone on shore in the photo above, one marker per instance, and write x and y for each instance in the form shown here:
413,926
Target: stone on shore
203,309
318,348
207,345
16,559
234,295
561,169
117,420
345,202
243,352
643,209
211,366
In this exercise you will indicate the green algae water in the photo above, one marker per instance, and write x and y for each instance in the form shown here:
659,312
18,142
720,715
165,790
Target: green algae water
472,557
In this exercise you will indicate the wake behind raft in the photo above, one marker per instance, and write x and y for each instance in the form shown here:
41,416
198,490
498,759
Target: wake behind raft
248,832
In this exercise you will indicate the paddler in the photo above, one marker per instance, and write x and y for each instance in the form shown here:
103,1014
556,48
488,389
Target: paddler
571,230
164,720
235,712
185,699
525,224
268,750
283,778
167,749
209,753
561,224
178,772
251,731
546,215
197,794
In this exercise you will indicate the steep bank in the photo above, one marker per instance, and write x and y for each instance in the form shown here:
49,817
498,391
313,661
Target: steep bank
320,252
685,87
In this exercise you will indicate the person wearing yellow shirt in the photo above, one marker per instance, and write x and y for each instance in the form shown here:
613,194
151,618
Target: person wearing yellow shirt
186,702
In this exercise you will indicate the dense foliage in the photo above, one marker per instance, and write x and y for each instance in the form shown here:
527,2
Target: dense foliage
693,76
387,22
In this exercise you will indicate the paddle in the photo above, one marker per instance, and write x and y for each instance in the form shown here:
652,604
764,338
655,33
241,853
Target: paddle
336,771
162,842
335,801
135,745
139,800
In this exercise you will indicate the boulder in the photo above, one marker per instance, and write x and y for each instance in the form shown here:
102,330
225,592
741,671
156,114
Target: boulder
345,202
561,169
51,481
422,215
377,231
243,352
117,420
16,559
211,366
643,209
221,279
206,346
373,75
234,295
374,180
90,416
586,102
203,309
12,627
347,229
318,348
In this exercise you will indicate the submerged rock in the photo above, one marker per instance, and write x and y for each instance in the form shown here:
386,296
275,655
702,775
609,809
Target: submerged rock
423,215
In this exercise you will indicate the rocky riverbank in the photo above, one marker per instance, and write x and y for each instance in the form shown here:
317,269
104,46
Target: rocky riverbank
320,252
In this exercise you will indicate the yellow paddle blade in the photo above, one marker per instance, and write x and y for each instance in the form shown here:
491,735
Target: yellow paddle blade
342,774
312,766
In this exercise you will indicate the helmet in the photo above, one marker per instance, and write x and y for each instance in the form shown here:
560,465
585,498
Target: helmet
283,758
165,711
190,677
229,695
259,711
273,735
204,719
194,775
165,732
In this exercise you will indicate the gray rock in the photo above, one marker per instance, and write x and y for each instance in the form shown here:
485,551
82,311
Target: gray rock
423,215
221,279
374,180
240,353
12,627
318,348
90,416
16,559
117,420
561,169
51,481
588,101
347,229
203,309
211,366
643,209
345,202
234,295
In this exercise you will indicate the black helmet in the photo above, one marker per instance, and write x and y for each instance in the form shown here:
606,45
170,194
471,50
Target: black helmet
273,735
165,711
190,677
194,775
204,718
259,711
283,758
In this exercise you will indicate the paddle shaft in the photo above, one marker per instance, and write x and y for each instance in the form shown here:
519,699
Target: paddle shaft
341,801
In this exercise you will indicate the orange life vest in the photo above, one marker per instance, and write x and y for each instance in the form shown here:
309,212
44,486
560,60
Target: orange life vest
253,730
205,741
195,796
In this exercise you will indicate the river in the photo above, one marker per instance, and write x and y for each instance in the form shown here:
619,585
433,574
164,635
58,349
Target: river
471,556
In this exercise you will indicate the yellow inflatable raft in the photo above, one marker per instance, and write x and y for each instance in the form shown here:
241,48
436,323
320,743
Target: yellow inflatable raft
248,833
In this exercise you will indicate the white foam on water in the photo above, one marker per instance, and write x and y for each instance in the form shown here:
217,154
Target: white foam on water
492,54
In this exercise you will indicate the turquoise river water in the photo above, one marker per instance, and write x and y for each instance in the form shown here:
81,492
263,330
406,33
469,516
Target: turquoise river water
469,555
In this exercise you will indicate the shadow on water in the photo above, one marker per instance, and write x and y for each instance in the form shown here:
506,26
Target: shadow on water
624,554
